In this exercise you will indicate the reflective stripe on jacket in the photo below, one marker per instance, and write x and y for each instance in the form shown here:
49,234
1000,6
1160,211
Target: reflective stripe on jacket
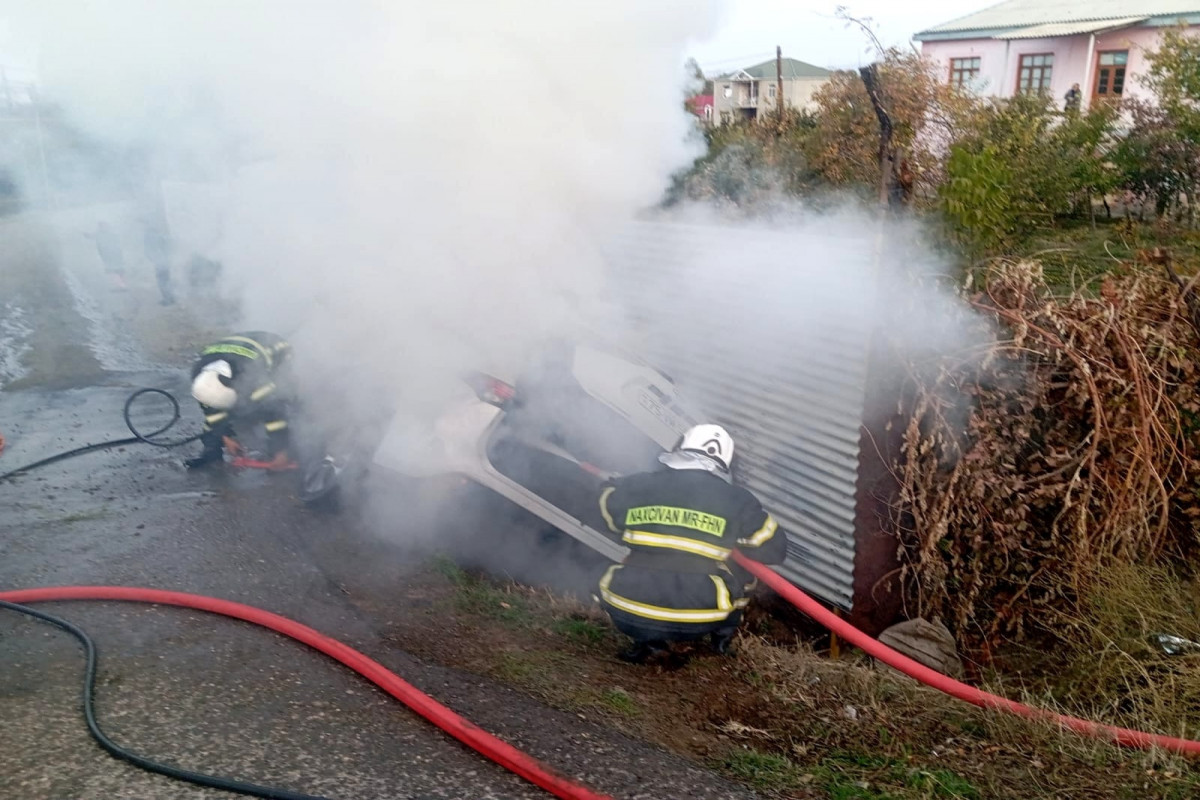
680,527
255,358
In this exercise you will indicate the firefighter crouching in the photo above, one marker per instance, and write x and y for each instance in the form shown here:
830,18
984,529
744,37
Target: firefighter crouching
242,380
681,524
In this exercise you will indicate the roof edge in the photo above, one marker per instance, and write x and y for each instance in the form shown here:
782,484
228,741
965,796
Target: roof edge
1151,20
1159,21
964,33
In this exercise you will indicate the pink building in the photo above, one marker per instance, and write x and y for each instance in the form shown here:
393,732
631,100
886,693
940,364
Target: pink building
1050,45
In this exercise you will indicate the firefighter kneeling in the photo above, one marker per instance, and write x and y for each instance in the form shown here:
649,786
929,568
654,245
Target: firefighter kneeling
242,379
681,524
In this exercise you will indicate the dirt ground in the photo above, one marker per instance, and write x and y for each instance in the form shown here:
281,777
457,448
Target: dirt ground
782,719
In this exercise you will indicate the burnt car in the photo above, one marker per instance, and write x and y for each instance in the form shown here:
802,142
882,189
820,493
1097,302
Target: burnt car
548,439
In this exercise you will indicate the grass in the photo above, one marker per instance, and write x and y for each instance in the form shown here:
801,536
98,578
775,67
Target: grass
618,700
529,669
503,606
582,631
789,723
542,673
943,783
868,776
764,771
1077,255
847,775
445,566
478,596
1110,670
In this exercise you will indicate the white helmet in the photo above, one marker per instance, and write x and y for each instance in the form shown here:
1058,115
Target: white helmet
209,389
710,440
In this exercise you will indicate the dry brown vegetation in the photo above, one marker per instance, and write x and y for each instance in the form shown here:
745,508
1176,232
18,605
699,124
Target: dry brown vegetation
1079,452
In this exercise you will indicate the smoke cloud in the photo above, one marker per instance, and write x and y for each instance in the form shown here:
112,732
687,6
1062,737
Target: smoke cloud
404,188
410,189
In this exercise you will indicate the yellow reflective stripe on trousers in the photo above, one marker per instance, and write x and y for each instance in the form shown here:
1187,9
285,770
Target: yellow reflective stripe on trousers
604,508
262,391
278,425
762,535
723,601
266,353
213,419
656,612
682,543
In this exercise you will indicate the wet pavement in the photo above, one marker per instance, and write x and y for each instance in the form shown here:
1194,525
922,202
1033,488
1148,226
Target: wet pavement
211,694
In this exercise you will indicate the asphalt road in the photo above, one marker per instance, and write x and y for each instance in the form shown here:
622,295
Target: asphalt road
212,694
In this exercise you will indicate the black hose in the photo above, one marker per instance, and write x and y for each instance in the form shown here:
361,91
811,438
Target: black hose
138,437
146,438
89,713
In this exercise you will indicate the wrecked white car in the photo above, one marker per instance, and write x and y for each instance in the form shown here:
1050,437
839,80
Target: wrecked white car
549,439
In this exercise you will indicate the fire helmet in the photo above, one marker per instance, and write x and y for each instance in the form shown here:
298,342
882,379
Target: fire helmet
710,440
211,386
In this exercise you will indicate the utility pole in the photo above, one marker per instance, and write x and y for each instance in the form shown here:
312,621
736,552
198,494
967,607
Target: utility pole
870,79
779,81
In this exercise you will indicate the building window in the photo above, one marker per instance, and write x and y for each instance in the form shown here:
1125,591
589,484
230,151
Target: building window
964,72
1035,73
771,91
1110,74
728,90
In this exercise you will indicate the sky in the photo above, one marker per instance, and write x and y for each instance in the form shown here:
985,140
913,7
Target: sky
808,30
16,57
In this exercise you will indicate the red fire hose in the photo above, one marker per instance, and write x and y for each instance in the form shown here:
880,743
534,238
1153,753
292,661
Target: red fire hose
873,647
474,737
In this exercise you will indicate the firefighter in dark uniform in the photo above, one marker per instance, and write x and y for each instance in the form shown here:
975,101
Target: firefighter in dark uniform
242,380
681,525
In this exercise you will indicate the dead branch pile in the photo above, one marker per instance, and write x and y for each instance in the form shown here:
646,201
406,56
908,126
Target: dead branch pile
1079,451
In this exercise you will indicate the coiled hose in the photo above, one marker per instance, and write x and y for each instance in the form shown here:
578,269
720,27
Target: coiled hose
114,749
485,743
461,729
138,436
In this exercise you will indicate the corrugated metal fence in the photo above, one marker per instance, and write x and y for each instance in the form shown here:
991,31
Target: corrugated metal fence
767,333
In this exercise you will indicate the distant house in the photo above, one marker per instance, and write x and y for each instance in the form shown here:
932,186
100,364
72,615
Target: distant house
1049,45
702,106
750,93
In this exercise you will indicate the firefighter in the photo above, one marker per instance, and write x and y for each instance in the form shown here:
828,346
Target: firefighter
681,525
242,379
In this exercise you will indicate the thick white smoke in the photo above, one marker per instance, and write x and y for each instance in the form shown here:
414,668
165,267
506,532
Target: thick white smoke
405,184
411,188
